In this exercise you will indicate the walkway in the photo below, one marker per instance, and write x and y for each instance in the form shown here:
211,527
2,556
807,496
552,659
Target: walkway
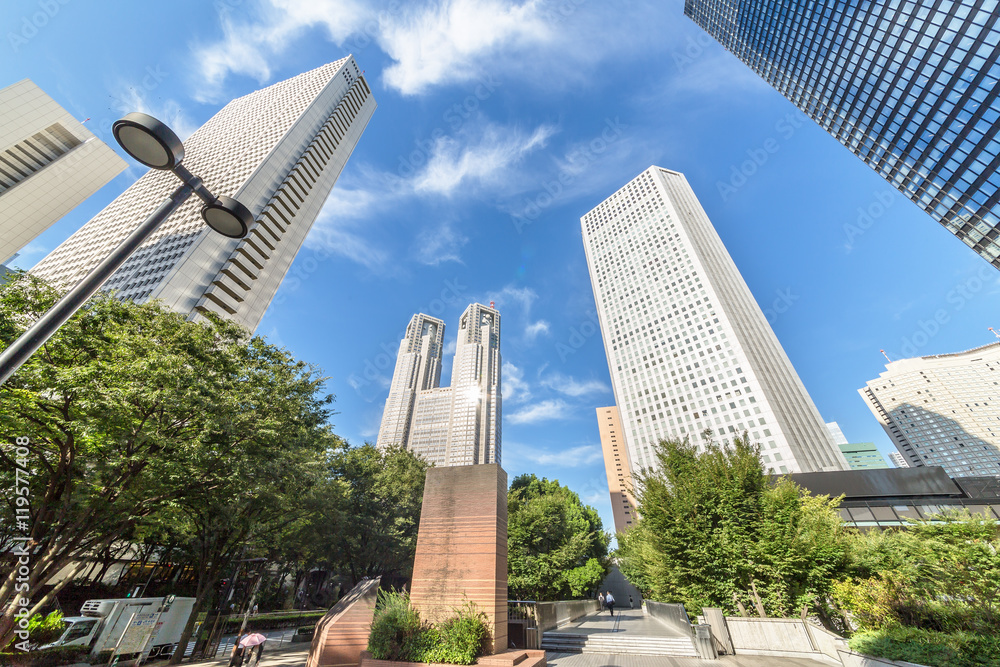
625,621
599,660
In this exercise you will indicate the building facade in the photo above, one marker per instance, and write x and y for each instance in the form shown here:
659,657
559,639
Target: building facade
942,410
279,151
891,498
49,163
418,368
911,88
897,460
448,426
690,352
862,456
617,468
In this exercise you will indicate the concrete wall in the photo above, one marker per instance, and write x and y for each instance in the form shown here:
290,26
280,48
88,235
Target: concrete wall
551,615
674,615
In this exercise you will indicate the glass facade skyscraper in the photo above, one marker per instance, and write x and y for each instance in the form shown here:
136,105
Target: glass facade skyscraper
909,87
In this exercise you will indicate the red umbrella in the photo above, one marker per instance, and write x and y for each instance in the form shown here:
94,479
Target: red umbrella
252,639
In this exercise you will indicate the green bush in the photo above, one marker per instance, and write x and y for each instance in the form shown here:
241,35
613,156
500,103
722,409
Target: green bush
397,633
462,637
60,655
927,647
45,629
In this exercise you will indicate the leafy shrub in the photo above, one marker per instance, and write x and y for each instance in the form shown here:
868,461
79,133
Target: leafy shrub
462,637
397,633
60,655
45,629
927,647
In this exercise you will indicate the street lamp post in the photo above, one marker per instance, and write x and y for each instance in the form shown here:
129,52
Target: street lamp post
155,145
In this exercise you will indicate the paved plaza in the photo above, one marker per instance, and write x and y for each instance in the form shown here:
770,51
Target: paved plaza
630,622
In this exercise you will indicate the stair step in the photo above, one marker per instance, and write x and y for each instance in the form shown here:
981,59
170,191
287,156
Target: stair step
620,645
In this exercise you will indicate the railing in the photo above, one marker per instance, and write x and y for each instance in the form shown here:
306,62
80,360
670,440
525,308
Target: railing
521,610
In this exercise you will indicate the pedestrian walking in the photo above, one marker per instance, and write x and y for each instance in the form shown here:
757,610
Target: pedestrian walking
236,659
600,600
631,605
609,600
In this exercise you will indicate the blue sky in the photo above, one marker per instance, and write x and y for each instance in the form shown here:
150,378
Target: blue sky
453,194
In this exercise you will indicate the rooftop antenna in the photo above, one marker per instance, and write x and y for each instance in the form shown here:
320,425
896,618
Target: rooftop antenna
994,332
886,356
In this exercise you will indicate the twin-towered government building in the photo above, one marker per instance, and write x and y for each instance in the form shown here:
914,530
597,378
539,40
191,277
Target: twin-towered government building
447,426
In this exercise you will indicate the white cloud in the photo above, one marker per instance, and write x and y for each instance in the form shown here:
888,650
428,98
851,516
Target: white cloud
455,40
566,384
479,155
249,47
127,98
573,457
514,296
436,245
544,411
515,388
534,329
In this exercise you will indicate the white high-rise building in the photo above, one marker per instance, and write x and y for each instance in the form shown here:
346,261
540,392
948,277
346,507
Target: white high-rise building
448,426
279,151
898,460
49,163
942,410
690,352
418,367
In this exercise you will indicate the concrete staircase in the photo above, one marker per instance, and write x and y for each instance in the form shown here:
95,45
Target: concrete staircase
621,644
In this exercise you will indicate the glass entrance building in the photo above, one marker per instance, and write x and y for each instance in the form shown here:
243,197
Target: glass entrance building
909,87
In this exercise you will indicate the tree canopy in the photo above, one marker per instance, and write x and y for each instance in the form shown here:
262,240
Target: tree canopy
556,545
143,425
714,529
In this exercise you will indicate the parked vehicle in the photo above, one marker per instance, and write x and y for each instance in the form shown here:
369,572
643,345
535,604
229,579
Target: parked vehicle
150,627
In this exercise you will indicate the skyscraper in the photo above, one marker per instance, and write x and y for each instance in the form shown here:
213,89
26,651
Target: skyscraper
942,410
418,368
909,87
616,466
898,460
279,151
49,163
456,425
690,352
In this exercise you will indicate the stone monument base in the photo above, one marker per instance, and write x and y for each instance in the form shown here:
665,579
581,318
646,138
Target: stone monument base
462,546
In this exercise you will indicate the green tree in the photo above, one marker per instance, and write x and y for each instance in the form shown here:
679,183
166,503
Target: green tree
556,545
377,533
713,528
941,575
131,412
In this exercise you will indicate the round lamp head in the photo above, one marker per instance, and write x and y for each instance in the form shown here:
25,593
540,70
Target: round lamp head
228,217
148,140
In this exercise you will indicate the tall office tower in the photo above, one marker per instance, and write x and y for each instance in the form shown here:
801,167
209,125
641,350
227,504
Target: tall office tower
617,468
279,151
418,367
49,163
909,87
689,349
897,460
448,426
942,410
863,456
838,436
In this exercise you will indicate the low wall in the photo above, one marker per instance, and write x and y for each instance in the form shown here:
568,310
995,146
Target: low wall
550,615
674,615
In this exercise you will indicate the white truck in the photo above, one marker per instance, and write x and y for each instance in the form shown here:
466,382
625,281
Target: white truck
129,627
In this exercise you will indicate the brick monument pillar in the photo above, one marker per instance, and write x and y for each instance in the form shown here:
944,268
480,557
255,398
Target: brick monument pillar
462,546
